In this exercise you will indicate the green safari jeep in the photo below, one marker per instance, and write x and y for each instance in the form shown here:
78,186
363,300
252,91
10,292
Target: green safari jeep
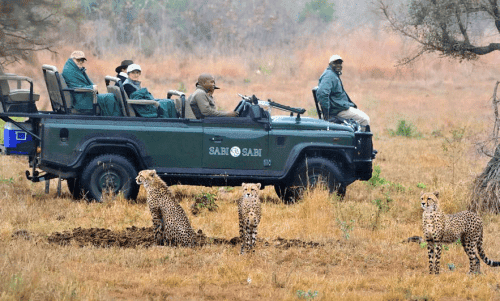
96,153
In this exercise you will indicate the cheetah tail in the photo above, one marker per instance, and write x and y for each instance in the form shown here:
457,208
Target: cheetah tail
483,255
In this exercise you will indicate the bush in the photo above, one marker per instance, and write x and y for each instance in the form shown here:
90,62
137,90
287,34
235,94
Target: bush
405,129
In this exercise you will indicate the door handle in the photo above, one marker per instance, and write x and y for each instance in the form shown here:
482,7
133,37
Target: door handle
216,139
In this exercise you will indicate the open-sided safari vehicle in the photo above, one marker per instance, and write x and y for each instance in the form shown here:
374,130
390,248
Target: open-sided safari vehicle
95,154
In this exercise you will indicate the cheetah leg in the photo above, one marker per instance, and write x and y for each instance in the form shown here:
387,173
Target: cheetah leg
244,241
438,248
158,227
249,233
254,237
475,265
430,249
247,240
242,226
169,241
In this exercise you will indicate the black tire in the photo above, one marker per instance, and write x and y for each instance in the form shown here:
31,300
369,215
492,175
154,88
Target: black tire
285,193
75,188
109,172
307,175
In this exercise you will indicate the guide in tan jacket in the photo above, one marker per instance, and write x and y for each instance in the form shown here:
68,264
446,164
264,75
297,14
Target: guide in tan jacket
202,102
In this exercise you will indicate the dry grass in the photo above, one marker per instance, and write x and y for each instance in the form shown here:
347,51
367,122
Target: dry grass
365,261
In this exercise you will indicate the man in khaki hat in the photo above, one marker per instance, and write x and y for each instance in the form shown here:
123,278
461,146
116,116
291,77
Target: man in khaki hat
332,97
202,102
75,75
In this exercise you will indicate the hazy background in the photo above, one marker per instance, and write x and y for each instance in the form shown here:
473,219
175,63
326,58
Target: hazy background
278,50
274,49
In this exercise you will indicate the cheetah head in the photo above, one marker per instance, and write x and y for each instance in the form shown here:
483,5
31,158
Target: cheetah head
429,201
145,177
250,190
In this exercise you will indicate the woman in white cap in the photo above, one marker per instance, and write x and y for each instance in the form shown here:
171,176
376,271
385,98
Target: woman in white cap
132,86
132,83
121,71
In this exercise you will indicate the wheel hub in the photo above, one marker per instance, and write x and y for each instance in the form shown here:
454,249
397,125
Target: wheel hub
109,181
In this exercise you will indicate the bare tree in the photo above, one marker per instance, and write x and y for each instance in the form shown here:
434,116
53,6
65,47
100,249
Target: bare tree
485,190
25,27
452,28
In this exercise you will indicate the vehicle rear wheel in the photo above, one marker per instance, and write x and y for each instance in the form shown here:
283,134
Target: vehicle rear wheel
309,174
111,174
75,187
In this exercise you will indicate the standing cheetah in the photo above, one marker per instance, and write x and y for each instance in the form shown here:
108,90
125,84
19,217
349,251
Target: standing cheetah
171,225
441,228
249,213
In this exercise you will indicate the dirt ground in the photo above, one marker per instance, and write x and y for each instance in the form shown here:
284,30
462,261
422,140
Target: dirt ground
133,237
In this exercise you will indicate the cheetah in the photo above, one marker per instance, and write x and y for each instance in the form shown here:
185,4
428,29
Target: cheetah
442,228
249,213
170,223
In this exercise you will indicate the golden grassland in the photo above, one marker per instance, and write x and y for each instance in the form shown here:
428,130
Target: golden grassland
361,253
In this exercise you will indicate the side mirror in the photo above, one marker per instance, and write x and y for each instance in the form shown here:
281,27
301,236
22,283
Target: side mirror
255,112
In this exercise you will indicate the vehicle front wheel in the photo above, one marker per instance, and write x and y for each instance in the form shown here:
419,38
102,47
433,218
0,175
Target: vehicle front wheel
309,174
109,174
285,193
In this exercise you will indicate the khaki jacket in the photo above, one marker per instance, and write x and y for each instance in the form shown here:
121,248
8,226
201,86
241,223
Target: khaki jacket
202,104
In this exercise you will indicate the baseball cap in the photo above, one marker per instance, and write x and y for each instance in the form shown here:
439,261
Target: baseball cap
335,57
133,67
77,54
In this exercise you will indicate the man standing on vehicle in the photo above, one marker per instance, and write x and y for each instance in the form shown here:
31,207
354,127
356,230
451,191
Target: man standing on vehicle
202,102
332,97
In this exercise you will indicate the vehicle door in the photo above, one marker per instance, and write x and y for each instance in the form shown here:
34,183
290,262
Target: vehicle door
174,144
235,143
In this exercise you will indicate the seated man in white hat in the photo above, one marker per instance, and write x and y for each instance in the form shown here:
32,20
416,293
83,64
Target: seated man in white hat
332,97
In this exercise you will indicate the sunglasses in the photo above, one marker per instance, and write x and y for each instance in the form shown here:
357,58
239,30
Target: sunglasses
81,60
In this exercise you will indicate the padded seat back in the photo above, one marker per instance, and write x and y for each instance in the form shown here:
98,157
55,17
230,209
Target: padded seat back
318,106
181,104
123,103
17,100
61,102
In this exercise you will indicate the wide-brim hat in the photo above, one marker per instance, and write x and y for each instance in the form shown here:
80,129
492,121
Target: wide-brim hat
123,65
215,87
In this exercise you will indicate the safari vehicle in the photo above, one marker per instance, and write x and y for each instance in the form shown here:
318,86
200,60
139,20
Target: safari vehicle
96,154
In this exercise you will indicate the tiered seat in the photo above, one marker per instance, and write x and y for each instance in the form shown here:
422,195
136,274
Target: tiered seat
17,100
61,97
183,110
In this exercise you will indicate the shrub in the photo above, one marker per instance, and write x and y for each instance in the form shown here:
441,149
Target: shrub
405,129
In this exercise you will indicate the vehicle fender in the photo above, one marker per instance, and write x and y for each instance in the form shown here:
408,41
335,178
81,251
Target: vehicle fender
121,146
342,152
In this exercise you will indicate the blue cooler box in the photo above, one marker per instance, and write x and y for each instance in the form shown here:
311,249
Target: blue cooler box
17,141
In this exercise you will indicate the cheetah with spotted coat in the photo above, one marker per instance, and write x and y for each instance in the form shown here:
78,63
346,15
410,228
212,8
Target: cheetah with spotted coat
170,223
249,213
442,228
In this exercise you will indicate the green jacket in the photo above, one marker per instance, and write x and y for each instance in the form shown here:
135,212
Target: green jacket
166,109
331,94
78,78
